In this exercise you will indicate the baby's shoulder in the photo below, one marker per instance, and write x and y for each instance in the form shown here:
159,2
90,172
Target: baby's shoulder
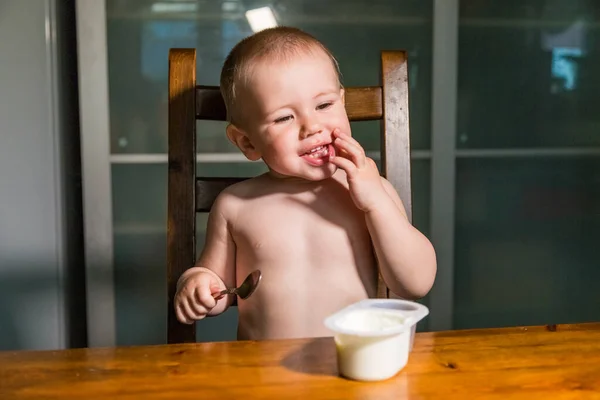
237,195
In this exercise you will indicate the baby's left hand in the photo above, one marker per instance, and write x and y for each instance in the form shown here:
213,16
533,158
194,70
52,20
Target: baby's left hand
362,173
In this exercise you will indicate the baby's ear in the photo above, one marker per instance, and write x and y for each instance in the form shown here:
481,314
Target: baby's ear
242,141
342,95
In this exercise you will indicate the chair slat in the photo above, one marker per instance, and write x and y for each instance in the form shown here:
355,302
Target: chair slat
207,190
362,103
395,137
181,221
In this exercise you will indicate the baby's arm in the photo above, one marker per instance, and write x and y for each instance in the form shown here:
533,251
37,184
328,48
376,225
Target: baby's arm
215,268
405,256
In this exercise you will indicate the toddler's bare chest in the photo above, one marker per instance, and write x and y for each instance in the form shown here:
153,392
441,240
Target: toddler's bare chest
299,227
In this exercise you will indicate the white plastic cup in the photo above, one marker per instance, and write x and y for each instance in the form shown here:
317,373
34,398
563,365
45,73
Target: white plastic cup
374,337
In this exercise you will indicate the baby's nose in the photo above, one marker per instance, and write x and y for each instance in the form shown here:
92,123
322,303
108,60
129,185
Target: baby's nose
312,129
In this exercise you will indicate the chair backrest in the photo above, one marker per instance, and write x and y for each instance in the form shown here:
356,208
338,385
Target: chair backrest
189,194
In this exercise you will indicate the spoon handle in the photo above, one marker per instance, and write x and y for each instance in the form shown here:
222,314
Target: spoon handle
219,295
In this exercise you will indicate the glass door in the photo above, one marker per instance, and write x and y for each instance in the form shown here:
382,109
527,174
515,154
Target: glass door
527,163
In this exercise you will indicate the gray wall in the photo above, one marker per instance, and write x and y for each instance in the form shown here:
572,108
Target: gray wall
40,270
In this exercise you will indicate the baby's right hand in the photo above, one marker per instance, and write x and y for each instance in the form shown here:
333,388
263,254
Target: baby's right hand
194,299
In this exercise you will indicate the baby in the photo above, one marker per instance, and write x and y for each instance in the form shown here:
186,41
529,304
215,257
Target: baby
321,222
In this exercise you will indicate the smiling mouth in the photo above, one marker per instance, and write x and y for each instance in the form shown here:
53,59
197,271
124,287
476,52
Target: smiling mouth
318,152
320,155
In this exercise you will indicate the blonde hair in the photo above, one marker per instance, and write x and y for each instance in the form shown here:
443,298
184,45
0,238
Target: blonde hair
278,44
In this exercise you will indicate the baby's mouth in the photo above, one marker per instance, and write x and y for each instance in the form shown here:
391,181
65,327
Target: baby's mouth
319,155
318,152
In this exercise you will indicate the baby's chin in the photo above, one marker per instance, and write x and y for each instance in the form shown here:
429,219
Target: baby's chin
314,174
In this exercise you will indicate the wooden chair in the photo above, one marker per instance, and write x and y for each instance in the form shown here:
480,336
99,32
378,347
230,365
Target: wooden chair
188,194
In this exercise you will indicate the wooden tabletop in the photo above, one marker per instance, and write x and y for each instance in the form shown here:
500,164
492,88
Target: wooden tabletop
547,362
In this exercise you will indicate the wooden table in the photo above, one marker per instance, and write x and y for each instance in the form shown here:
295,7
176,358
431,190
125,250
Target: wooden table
547,362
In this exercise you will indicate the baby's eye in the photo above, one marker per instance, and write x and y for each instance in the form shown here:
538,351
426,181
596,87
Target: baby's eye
283,119
324,106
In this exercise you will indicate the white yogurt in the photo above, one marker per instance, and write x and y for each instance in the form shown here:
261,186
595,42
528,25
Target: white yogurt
373,343
371,320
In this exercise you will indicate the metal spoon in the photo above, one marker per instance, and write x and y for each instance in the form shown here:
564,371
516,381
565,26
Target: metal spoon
245,289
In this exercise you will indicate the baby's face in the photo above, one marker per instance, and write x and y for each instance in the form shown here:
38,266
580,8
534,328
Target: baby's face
291,109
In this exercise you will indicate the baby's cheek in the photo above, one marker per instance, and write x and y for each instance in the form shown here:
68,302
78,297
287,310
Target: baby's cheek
340,123
344,123
345,127
278,151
